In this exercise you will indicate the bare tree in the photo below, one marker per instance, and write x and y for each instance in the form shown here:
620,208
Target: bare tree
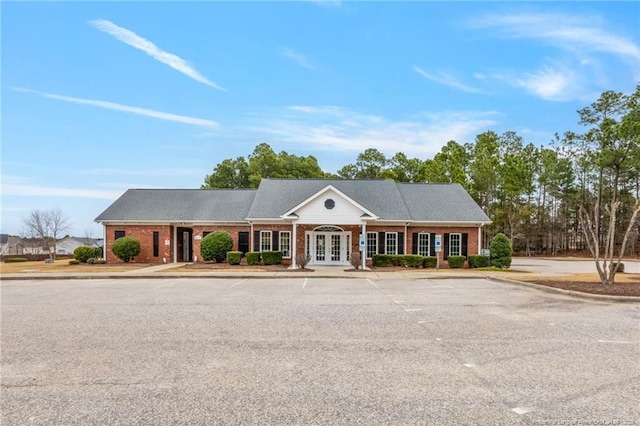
47,225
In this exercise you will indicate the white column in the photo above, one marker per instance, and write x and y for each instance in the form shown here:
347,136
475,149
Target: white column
175,244
363,254
294,244
479,239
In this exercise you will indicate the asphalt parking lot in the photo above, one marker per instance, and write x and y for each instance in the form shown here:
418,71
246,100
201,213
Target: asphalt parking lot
314,351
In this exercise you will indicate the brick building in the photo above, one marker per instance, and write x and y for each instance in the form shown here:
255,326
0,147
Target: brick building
324,219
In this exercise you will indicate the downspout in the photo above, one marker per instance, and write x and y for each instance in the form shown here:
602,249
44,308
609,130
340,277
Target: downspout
104,241
480,238
251,237
363,253
406,237
175,244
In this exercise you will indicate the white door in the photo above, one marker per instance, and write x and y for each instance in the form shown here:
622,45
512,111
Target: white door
329,248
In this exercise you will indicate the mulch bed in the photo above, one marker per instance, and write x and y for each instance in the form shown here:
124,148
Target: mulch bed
630,288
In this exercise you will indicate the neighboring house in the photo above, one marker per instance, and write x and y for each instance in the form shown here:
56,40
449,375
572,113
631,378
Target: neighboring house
35,246
322,219
11,245
68,244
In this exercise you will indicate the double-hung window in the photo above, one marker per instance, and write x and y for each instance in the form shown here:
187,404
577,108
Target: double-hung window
423,244
372,244
455,244
265,240
391,243
285,243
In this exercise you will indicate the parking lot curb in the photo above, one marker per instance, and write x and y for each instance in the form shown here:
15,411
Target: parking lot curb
578,294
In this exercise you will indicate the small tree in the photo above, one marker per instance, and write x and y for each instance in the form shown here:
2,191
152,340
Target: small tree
501,251
126,248
215,246
46,225
84,253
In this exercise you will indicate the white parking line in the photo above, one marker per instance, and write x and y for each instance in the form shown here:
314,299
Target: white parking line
521,410
238,283
413,309
469,365
304,284
620,342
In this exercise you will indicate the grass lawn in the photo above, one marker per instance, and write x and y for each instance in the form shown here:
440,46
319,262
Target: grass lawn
62,265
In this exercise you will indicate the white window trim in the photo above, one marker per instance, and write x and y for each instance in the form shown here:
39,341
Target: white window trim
459,244
280,244
386,242
375,234
428,243
262,241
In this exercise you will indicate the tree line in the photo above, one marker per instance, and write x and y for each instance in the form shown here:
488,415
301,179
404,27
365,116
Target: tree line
580,192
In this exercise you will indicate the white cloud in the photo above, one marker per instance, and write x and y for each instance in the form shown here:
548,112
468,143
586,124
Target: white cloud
590,57
132,39
547,83
297,57
17,190
331,128
150,173
566,31
126,108
446,79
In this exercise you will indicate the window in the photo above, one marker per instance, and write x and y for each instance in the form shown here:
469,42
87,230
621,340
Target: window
118,234
391,242
454,245
285,243
372,244
423,244
156,243
205,233
265,240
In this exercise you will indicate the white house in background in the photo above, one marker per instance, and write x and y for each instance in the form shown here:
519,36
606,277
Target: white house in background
68,244
35,246
10,244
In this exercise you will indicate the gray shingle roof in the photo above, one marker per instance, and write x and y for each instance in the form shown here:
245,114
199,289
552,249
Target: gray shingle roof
384,198
186,205
440,202
277,196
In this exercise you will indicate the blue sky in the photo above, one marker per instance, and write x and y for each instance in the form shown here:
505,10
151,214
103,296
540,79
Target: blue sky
101,97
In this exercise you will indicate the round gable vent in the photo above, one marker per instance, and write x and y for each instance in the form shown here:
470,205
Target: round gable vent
329,204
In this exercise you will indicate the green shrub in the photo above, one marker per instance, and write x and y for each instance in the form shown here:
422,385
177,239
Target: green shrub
430,262
272,257
15,260
501,251
234,257
253,258
456,261
84,253
126,248
413,260
98,252
215,246
74,262
478,261
620,266
91,260
100,261
381,260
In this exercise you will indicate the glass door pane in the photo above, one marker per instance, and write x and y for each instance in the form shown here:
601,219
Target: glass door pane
335,248
320,248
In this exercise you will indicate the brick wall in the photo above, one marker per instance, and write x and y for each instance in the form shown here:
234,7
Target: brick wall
232,230
144,234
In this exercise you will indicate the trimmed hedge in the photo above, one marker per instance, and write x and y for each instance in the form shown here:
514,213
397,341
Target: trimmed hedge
456,261
74,262
84,253
478,261
215,246
234,257
430,262
126,248
15,260
253,258
272,257
406,260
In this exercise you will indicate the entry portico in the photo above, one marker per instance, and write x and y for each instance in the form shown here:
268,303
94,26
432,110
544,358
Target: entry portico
329,210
